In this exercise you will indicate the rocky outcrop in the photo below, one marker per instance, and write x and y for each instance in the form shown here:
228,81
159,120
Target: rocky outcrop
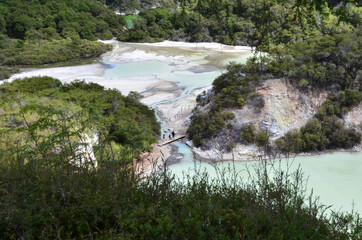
285,108
270,124
354,117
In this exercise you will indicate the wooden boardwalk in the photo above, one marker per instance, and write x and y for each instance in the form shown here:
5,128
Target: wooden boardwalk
163,143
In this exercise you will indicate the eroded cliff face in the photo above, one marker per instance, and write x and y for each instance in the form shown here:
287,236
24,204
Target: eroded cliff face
285,108
354,117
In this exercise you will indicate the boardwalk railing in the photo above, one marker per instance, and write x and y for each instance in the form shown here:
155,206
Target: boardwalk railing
171,140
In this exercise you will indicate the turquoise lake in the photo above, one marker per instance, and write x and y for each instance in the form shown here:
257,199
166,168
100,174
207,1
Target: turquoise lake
335,177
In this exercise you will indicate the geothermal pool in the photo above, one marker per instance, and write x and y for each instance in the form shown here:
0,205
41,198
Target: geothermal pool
334,177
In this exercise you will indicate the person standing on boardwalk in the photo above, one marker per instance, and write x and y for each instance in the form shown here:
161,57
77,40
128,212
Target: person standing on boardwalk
173,134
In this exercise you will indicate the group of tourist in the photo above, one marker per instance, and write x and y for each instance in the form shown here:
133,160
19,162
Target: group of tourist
170,136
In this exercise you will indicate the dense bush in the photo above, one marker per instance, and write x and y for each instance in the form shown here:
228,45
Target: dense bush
122,122
232,89
327,60
52,51
321,62
262,138
5,72
40,32
248,133
129,6
319,136
340,104
256,23
204,126
52,19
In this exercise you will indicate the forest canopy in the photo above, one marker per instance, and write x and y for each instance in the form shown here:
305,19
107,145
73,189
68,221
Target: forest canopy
58,19
243,22
40,32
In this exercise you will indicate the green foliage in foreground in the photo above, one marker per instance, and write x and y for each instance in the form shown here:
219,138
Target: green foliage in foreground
42,106
45,195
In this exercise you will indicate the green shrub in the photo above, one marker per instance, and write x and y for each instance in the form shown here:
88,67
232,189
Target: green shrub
248,133
234,88
230,146
204,126
319,135
6,72
262,138
53,51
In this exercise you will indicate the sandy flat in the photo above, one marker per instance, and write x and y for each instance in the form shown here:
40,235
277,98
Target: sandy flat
156,96
64,73
136,52
177,113
201,45
93,73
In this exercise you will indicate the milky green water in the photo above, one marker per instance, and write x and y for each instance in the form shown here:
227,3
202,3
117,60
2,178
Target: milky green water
138,69
241,59
186,79
336,177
